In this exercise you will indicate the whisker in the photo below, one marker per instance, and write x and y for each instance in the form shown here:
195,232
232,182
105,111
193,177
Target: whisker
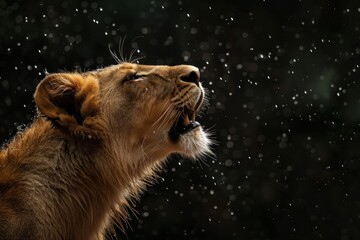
211,132
121,48
131,54
123,58
205,105
134,51
137,59
163,114
115,57
168,118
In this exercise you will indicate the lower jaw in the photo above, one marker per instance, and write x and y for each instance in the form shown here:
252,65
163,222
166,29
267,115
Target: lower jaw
176,134
193,144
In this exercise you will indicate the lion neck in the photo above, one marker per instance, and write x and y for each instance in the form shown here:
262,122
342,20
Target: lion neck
88,177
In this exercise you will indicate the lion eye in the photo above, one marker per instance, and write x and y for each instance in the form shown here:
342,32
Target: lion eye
133,77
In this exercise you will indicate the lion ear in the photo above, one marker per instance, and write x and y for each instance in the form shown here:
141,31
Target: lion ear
71,101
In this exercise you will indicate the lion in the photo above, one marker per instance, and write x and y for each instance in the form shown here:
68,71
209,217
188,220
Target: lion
97,139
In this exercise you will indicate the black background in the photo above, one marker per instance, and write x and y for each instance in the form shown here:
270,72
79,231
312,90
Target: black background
283,84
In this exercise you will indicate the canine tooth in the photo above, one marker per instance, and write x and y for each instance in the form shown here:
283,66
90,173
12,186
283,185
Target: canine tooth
192,115
186,120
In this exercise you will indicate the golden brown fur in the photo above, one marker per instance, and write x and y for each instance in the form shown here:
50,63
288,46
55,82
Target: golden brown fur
98,138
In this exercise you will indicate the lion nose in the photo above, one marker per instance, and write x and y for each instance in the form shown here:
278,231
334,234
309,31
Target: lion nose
192,75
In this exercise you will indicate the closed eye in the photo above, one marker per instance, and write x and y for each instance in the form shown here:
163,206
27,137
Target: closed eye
134,77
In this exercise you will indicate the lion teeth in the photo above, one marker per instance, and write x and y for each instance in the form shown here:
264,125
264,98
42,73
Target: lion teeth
191,115
186,120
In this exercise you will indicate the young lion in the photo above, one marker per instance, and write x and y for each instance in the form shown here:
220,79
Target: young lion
98,138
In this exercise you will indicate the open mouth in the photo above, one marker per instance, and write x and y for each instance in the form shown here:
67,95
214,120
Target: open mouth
186,122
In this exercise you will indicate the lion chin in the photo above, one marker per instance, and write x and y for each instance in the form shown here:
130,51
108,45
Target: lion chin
195,144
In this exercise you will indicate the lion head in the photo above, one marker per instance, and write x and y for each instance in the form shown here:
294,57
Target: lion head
143,109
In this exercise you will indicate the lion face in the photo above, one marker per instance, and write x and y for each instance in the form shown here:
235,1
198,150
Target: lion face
155,105
144,108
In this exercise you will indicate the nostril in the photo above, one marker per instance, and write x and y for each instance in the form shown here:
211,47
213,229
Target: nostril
192,77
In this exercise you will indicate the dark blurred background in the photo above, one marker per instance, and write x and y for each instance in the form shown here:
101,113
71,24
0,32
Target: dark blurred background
283,84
